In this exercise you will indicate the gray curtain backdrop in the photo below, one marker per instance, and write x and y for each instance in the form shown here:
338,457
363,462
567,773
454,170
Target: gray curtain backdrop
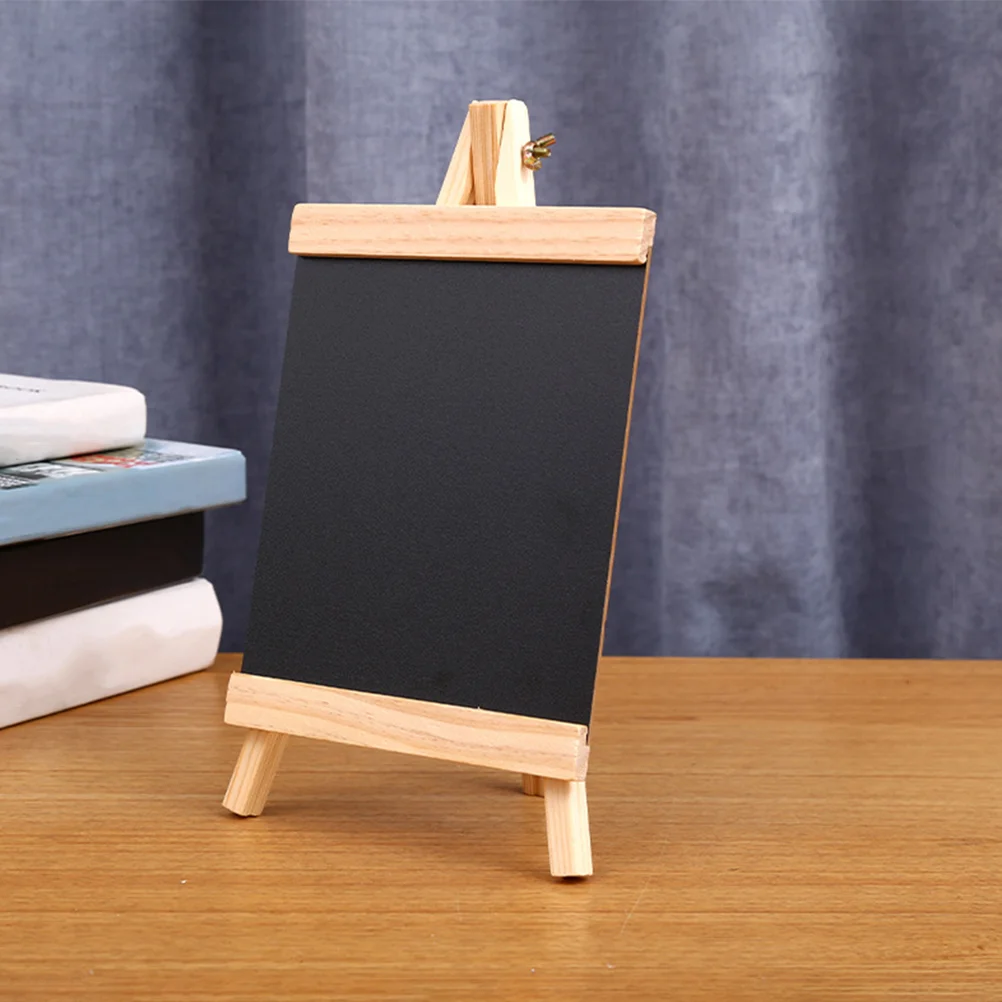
815,461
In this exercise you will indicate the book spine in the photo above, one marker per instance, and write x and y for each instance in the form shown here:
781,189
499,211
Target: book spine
98,500
50,577
69,660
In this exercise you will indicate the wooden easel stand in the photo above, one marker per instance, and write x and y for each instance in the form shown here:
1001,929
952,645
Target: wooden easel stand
486,169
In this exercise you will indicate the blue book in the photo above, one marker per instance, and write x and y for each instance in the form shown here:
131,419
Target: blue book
152,480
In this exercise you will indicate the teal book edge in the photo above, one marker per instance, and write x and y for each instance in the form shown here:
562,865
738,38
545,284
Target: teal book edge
152,480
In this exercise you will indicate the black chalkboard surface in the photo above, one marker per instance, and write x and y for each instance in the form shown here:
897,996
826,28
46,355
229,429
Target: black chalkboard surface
444,480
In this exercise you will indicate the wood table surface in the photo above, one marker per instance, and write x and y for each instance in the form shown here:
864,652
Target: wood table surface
762,830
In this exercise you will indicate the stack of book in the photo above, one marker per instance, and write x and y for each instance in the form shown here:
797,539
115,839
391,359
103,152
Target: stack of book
101,544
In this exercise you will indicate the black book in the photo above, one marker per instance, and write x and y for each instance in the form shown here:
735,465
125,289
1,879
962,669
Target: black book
47,577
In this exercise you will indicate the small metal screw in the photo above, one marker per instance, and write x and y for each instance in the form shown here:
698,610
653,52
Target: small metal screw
535,151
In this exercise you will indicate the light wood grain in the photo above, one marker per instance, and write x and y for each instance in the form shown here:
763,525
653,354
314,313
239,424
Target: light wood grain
486,123
532,786
260,757
474,233
763,830
410,726
457,186
567,833
514,183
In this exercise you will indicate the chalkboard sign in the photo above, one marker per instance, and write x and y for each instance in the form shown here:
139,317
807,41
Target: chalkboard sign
441,506
444,480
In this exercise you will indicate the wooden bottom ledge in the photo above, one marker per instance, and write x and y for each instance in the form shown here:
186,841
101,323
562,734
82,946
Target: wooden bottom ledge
549,748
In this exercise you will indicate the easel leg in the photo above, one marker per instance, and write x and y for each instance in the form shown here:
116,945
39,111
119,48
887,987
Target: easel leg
254,772
532,786
567,832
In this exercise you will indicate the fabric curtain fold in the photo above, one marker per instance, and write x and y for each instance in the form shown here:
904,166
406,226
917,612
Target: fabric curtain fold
814,462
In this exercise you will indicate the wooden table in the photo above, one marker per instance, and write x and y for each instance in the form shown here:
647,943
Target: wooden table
762,830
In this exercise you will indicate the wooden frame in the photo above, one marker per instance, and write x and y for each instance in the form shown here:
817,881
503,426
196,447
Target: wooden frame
547,748
474,233
503,224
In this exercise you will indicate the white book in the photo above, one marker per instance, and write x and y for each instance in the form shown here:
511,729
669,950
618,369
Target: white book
53,664
52,418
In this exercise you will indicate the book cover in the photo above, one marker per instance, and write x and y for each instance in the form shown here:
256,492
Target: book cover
81,493
65,661
47,577
49,418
